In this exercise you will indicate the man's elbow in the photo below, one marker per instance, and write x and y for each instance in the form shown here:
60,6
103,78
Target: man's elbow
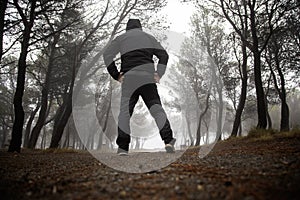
165,57
107,58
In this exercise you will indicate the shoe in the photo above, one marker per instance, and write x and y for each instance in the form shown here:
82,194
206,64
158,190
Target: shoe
122,152
170,146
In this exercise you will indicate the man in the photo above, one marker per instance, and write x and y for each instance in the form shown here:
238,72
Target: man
138,77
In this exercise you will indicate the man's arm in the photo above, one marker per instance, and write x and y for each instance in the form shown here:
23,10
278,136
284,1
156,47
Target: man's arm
109,54
163,57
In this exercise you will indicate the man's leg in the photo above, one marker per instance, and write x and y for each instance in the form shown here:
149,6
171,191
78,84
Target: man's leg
126,109
152,100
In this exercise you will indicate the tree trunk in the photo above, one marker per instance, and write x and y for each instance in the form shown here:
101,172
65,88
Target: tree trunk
260,97
238,116
198,137
60,123
207,135
240,130
74,138
29,123
105,123
237,120
67,135
270,123
44,102
285,112
90,141
137,143
43,139
284,123
100,140
41,120
4,133
220,112
16,140
189,132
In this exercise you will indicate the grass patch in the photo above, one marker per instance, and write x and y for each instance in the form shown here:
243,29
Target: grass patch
261,133
269,134
292,133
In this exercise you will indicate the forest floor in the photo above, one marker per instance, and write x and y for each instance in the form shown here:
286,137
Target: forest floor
245,168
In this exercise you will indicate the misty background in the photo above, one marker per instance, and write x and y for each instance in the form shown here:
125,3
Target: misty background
236,68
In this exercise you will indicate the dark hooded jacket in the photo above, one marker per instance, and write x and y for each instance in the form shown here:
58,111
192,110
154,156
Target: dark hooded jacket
137,49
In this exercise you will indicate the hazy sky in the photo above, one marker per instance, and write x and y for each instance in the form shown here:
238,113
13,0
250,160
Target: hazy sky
178,15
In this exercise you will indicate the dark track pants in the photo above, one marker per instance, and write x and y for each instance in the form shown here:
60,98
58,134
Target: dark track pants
129,98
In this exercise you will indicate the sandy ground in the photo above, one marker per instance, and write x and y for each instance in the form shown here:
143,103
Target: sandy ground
235,169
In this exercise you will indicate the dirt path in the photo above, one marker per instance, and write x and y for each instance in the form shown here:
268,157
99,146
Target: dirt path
235,169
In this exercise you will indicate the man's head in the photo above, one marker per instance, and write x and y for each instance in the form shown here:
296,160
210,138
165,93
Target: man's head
133,23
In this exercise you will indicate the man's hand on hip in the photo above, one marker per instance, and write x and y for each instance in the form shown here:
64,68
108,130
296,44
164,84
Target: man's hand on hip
156,77
121,77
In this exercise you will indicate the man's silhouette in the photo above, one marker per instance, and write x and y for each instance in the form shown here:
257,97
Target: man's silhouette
138,77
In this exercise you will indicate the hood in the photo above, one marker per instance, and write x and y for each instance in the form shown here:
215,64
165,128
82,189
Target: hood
133,23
